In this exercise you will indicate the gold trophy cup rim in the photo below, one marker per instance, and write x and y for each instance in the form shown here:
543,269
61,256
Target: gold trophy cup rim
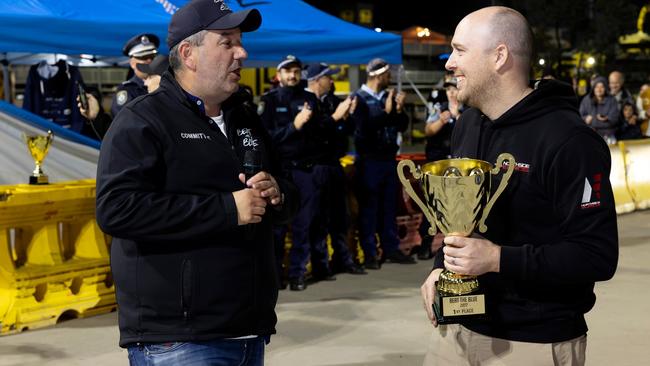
438,167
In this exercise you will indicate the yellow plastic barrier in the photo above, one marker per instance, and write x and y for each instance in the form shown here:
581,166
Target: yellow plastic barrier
53,257
637,162
622,197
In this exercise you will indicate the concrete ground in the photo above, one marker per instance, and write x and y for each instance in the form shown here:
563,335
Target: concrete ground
374,320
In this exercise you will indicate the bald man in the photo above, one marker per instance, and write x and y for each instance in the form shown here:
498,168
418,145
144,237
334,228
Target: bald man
617,89
552,233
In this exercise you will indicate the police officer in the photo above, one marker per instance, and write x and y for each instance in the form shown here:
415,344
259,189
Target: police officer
292,117
291,79
335,113
154,71
140,49
378,118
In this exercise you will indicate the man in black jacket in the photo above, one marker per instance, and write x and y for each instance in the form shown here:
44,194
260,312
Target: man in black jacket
192,254
552,233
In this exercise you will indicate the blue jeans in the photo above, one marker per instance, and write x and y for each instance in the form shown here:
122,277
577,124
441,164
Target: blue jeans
222,352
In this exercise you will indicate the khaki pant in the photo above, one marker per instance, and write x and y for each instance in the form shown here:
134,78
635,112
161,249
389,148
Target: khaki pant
456,345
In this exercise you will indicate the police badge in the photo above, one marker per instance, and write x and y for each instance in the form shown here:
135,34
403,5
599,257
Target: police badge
122,97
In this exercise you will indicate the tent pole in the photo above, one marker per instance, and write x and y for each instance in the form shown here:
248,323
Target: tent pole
354,73
6,86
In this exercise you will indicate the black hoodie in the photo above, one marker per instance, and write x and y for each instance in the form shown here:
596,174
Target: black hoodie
555,222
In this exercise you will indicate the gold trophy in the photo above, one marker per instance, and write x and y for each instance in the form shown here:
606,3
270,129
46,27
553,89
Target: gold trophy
38,146
458,199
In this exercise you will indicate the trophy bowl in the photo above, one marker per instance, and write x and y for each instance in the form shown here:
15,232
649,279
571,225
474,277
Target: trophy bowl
457,201
38,146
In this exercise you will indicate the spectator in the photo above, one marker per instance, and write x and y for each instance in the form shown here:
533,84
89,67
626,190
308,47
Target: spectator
617,89
599,109
643,101
630,123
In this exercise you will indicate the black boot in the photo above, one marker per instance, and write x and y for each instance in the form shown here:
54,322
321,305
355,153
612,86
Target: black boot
297,284
399,257
424,252
372,264
355,269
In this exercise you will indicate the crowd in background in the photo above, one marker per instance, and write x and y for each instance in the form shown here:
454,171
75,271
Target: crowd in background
612,110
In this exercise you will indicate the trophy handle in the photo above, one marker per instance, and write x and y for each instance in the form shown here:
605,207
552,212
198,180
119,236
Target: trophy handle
417,174
502,186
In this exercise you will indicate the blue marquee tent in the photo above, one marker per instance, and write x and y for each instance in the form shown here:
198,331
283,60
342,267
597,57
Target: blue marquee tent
100,27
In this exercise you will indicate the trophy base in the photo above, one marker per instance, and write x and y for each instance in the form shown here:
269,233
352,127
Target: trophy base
41,179
452,309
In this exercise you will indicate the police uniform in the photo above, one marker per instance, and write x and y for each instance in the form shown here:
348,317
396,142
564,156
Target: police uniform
138,46
375,140
304,155
334,210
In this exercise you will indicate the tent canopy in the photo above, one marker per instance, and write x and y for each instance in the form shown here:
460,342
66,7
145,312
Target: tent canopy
101,27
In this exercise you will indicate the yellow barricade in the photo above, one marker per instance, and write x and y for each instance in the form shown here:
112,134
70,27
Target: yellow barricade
53,257
622,197
637,162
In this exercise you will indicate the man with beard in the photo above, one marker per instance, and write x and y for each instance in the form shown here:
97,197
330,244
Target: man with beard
296,124
192,253
552,233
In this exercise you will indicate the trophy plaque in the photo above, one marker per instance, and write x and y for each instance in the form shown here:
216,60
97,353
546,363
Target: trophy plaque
458,200
38,146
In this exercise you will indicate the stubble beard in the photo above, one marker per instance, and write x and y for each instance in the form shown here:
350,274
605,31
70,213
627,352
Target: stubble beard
478,93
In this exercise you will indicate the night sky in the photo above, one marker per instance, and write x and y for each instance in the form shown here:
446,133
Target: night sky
402,14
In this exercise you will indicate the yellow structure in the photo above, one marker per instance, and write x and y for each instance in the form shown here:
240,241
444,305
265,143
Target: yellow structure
636,157
618,178
54,262
640,36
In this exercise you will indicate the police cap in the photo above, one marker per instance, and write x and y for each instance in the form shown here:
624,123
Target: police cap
315,71
289,61
141,45
199,15
377,66
157,67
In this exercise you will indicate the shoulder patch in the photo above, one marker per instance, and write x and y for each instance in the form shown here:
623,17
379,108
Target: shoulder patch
121,97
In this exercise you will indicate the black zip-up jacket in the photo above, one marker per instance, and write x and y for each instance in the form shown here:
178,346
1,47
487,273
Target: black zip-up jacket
555,222
183,269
